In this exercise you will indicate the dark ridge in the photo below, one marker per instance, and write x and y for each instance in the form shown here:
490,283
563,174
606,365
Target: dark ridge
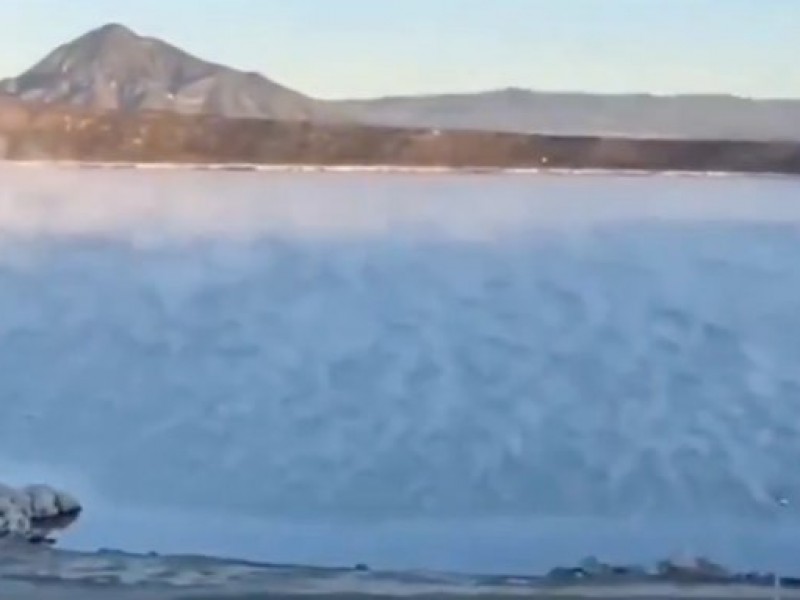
44,132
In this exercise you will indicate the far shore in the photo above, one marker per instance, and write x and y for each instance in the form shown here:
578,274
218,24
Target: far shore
387,169
66,135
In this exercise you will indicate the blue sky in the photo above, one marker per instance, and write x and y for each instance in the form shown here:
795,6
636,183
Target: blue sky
340,48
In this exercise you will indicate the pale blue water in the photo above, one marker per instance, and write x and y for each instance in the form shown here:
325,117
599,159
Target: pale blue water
472,373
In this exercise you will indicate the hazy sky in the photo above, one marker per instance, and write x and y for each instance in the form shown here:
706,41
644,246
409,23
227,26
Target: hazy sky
337,48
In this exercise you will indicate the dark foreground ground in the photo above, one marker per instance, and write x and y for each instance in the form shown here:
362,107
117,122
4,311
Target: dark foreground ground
31,132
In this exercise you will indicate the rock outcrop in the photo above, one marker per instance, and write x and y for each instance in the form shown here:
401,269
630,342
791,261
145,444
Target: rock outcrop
33,512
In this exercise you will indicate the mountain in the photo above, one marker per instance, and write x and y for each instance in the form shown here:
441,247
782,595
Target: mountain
634,115
113,68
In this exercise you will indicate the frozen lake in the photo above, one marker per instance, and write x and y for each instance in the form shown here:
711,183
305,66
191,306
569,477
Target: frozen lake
479,373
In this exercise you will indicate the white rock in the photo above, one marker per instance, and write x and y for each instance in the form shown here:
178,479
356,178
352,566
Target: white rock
67,503
43,501
13,495
14,519
35,511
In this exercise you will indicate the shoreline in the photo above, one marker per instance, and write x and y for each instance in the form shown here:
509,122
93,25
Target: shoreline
50,573
62,133
388,169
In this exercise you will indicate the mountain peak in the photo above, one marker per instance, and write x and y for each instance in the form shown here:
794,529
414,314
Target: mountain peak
113,67
104,42
113,30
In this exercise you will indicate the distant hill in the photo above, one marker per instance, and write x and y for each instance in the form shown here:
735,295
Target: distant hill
517,110
113,68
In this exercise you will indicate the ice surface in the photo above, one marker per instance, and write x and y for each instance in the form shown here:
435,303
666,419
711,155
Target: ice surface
477,373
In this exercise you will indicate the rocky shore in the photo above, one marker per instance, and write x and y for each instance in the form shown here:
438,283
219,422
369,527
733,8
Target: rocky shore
33,512
40,572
